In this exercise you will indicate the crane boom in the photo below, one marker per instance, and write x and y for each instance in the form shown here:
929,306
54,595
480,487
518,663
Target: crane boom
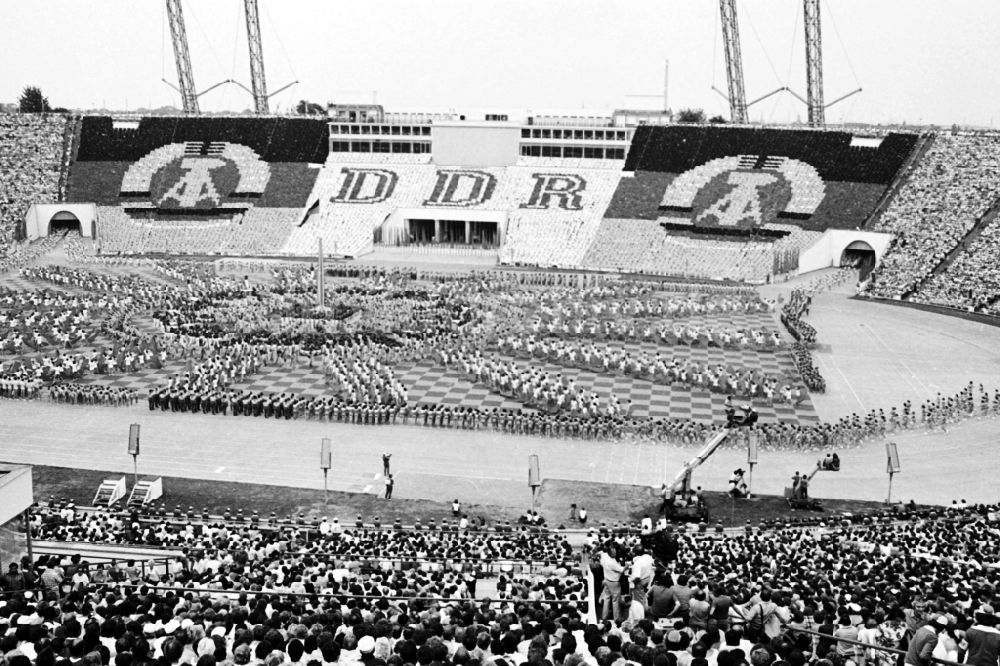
814,63
682,481
257,81
182,57
734,61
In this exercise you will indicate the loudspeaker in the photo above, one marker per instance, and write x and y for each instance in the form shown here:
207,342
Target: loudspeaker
534,476
133,439
892,463
325,455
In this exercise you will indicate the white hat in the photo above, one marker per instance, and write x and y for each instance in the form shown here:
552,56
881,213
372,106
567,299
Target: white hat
366,644
172,626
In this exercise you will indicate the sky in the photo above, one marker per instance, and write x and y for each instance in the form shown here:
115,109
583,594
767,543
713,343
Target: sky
917,61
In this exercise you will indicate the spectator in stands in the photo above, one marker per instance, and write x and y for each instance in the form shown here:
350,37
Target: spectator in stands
923,642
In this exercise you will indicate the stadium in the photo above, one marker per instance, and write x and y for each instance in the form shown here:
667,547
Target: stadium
488,386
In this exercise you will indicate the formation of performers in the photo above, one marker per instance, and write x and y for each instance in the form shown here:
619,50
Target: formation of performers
215,333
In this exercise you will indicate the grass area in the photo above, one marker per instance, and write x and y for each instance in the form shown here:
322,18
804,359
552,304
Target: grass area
218,497
605,502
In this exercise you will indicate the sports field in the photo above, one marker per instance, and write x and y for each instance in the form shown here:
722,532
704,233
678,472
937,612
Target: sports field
872,356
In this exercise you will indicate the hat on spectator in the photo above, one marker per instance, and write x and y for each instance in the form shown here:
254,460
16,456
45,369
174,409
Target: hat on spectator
171,626
941,621
206,646
366,644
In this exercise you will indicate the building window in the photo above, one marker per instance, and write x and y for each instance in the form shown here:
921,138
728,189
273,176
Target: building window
525,133
572,151
361,147
593,152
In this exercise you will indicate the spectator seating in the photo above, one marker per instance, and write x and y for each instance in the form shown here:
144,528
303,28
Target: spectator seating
258,231
644,246
948,191
972,281
820,179
30,162
248,592
679,148
553,233
274,139
278,158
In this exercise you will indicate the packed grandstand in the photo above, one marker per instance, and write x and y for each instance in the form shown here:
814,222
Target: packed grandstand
165,265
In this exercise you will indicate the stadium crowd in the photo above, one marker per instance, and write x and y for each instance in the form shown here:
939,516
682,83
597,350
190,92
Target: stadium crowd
948,191
30,160
921,581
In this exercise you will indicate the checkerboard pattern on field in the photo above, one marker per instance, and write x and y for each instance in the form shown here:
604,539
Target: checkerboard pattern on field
300,381
431,383
428,382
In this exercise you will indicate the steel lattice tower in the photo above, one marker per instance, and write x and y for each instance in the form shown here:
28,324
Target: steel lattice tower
257,80
814,63
185,78
734,62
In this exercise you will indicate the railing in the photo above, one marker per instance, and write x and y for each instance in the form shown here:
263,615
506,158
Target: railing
868,646
374,597
9,593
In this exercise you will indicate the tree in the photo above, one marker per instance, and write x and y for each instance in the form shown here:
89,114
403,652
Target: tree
690,116
33,101
717,120
306,108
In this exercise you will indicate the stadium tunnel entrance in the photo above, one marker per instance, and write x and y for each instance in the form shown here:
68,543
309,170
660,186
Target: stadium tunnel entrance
65,221
860,255
45,219
424,226
455,232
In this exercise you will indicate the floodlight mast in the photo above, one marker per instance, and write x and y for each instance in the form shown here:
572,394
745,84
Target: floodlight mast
182,57
737,99
258,83
814,63
734,62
